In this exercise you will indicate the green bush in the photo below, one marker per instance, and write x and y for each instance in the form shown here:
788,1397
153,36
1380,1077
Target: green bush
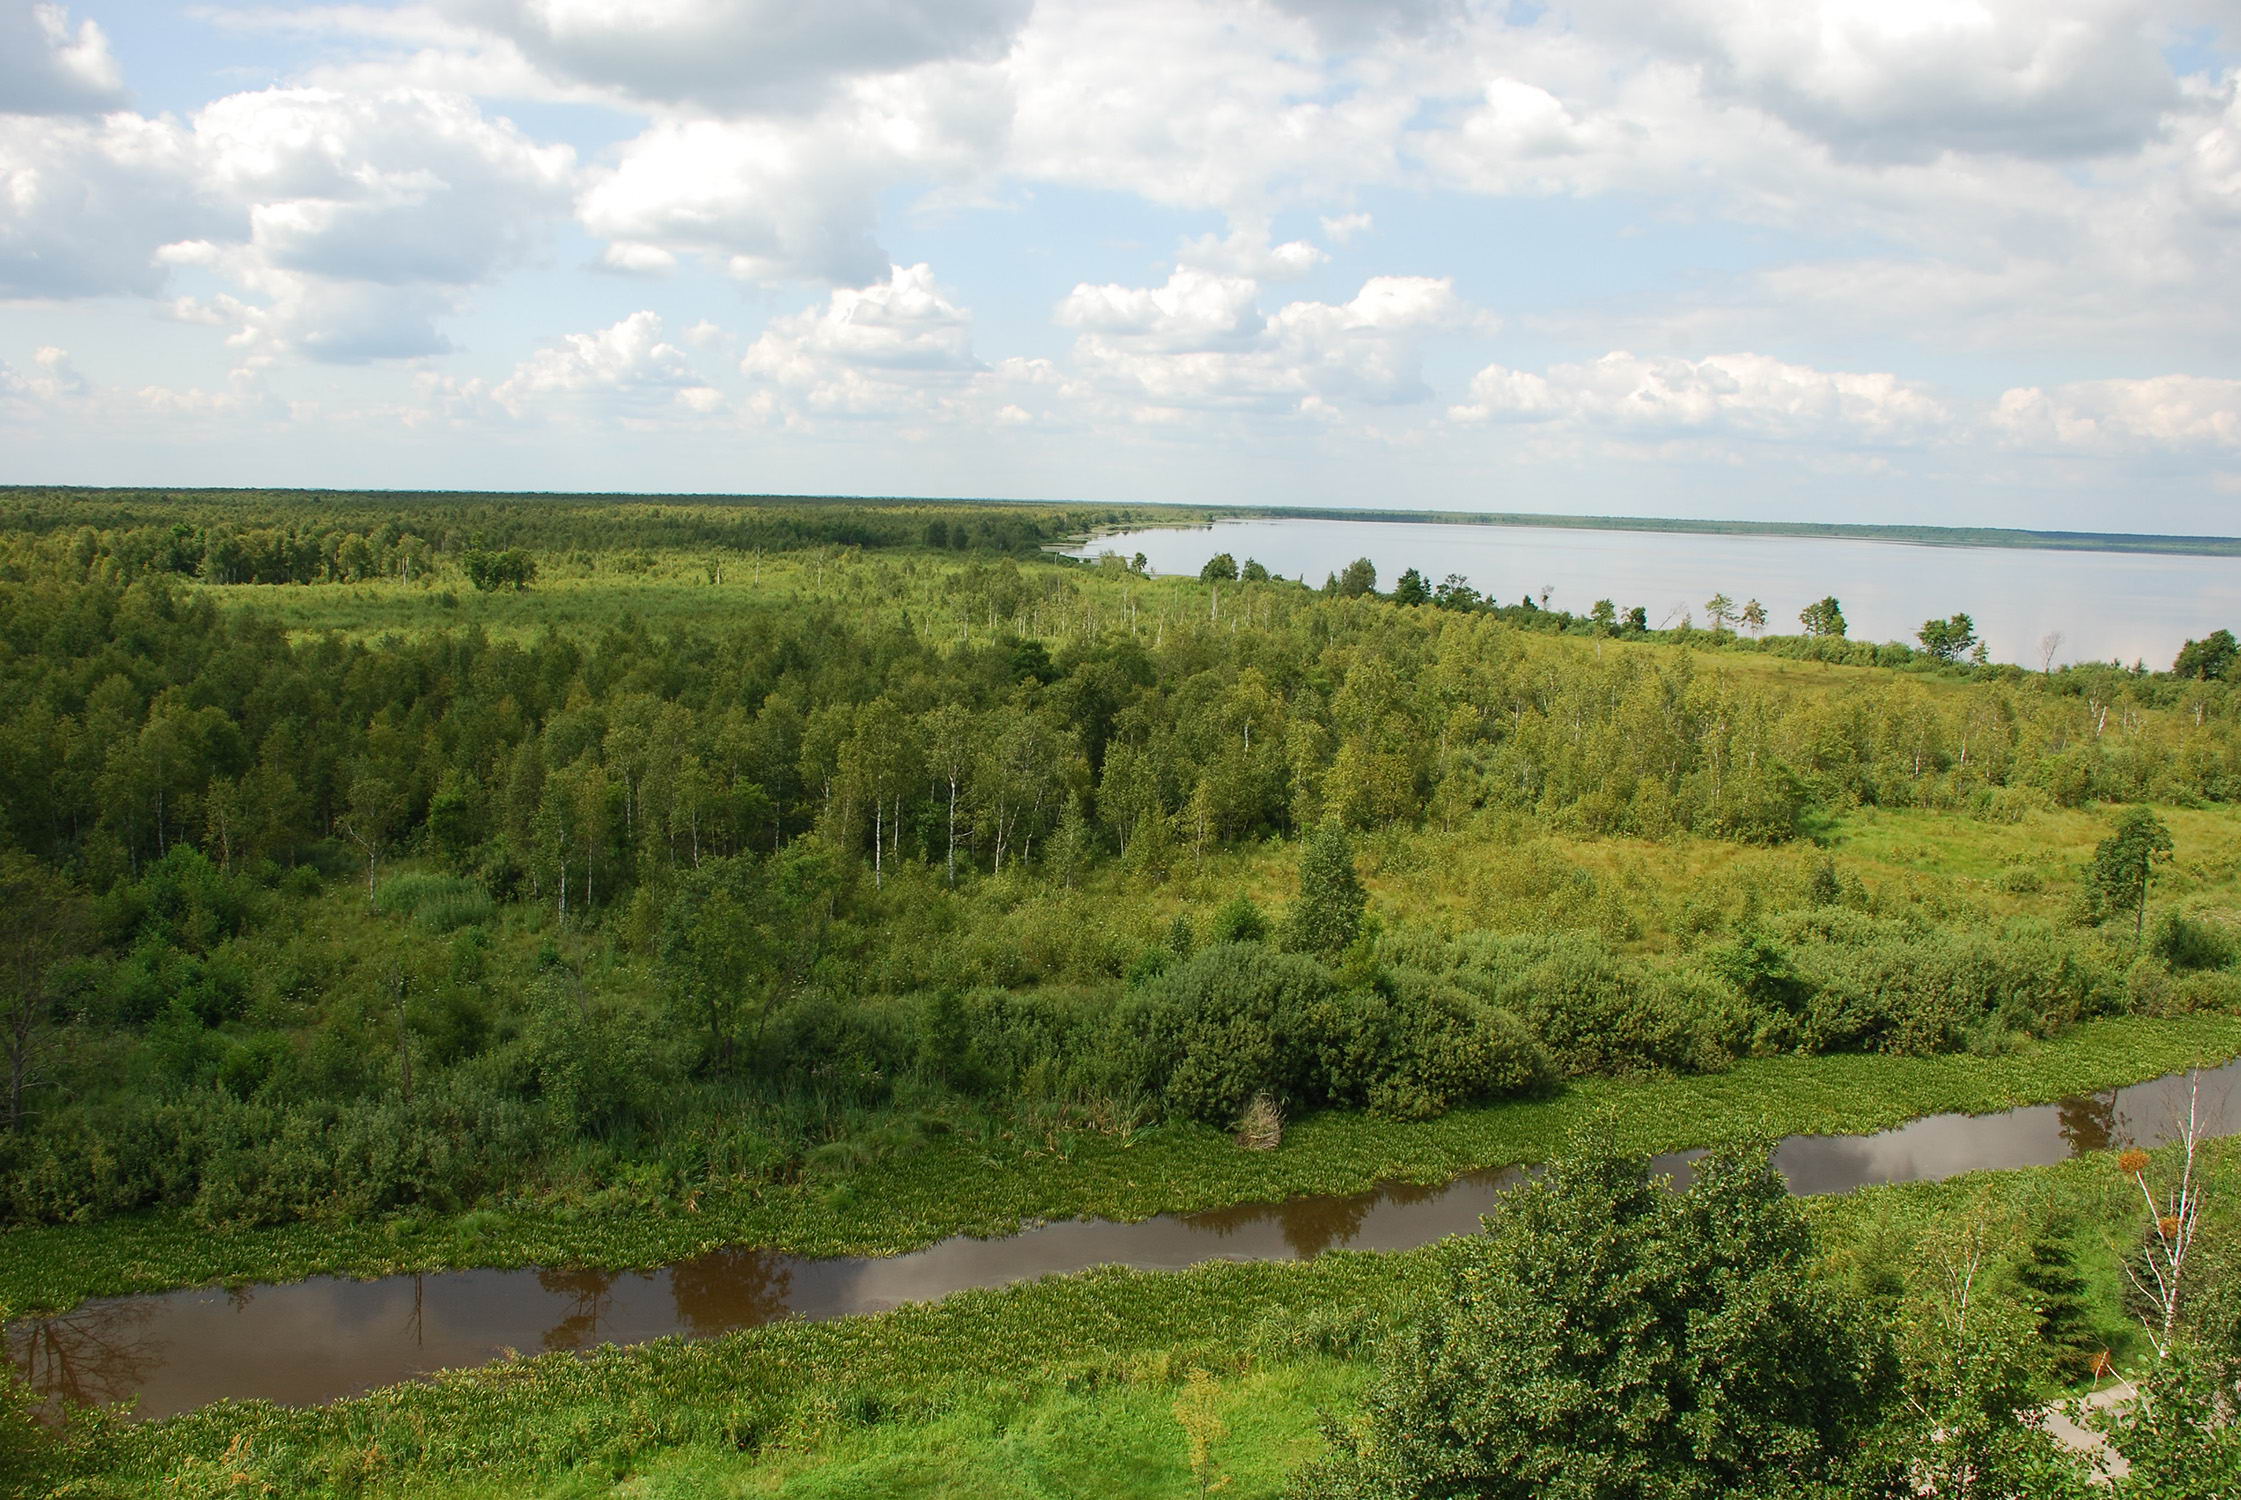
182,900
1230,1022
2188,943
1236,1020
1598,1013
1239,920
234,1161
27,1445
849,1051
593,1065
1450,1047
1945,991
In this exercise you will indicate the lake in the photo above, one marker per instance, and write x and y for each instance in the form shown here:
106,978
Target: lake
2107,606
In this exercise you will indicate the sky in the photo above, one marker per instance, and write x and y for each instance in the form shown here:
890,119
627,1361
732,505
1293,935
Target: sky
1904,261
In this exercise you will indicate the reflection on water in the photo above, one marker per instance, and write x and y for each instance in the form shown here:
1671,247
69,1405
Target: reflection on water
727,1289
97,1353
321,1339
2089,1122
587,1296
1309,1225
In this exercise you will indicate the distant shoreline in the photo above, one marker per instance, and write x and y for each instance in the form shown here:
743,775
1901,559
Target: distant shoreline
2012,539
2009,538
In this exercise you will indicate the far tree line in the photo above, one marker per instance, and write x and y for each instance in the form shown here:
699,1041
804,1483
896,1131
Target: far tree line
1951,639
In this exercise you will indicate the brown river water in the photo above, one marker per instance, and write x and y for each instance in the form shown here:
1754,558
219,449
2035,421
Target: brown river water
328,1337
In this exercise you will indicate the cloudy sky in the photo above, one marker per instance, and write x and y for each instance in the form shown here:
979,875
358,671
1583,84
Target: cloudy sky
1898,260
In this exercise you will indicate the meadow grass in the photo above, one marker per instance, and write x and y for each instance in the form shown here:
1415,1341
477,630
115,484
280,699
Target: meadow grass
1124,1441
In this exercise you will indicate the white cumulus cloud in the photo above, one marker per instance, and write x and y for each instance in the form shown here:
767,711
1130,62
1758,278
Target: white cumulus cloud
1196,309
350,223
51,378
50,67
2162,413
628,355
85,204
794,199
394,187
1909,79
1201,342
741,54
1745,395
902,346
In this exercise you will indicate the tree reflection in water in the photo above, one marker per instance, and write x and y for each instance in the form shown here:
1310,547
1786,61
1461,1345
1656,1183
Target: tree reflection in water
1309,1225
92,1355
589,1293
2089,1121
734,1288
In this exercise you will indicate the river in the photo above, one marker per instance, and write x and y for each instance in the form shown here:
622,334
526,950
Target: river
2106,606
328,1337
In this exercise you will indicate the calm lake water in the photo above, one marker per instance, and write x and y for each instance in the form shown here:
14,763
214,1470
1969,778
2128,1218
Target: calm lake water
2108,606
317,1340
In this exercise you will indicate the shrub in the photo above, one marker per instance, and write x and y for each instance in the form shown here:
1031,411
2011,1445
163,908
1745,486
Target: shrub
1239,920
2186,943
229,1160
1328,914
592,1066
27,1445
1228,1023
1941,991
181,900
1605,1337
850,1051
1596,1013
1450,1047
1238,1021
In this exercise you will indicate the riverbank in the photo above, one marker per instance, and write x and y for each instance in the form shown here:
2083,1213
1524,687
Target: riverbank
1023,1391
983,1188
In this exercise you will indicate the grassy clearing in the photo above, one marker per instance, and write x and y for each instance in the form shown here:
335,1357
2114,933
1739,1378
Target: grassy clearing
991,1188
570,597
583,594
1125,1442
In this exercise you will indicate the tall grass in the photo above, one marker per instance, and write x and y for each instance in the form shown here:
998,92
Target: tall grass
435,903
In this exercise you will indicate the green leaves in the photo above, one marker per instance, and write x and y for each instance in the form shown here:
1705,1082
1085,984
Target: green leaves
2177,1433
1328,914
1948,639
1609,1339
2124,864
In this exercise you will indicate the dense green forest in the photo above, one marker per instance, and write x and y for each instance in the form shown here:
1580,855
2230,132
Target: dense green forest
413,858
